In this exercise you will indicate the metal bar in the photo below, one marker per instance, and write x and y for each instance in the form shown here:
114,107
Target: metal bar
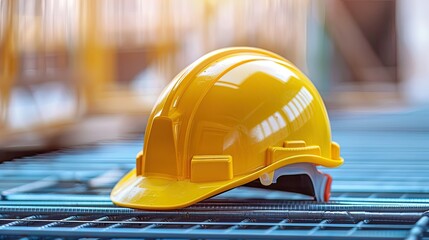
419,228
230,224
59,222
278,226
202,233
56,197
15,222
284,209
122,223
42,183
238,225
201,225
91,223
336,215
319,226
357,227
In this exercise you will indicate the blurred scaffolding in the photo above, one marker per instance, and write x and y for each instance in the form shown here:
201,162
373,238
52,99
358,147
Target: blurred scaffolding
75,71
65,63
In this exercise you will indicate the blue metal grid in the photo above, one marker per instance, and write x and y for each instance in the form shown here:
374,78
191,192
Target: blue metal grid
380,192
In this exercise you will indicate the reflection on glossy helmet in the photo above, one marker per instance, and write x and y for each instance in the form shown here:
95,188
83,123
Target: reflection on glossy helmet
231,117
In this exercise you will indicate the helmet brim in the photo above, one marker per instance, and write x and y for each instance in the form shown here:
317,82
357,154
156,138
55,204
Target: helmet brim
154,193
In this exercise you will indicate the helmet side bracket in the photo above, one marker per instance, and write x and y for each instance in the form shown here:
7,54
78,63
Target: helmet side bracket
297,149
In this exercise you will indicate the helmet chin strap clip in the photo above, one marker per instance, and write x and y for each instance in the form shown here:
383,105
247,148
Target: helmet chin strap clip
300,177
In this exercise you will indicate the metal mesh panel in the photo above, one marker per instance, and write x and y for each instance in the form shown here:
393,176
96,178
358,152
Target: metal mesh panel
380,192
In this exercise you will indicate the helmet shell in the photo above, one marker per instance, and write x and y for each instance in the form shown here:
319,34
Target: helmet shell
228,118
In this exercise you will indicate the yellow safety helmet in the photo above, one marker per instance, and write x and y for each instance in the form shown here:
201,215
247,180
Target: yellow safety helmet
231,117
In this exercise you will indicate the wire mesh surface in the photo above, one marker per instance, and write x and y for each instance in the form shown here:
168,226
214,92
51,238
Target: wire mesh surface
380,192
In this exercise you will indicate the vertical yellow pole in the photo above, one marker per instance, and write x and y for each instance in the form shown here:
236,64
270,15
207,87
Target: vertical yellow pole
8,61
95,59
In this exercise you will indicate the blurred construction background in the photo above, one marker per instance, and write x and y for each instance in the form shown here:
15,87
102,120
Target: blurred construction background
74,72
